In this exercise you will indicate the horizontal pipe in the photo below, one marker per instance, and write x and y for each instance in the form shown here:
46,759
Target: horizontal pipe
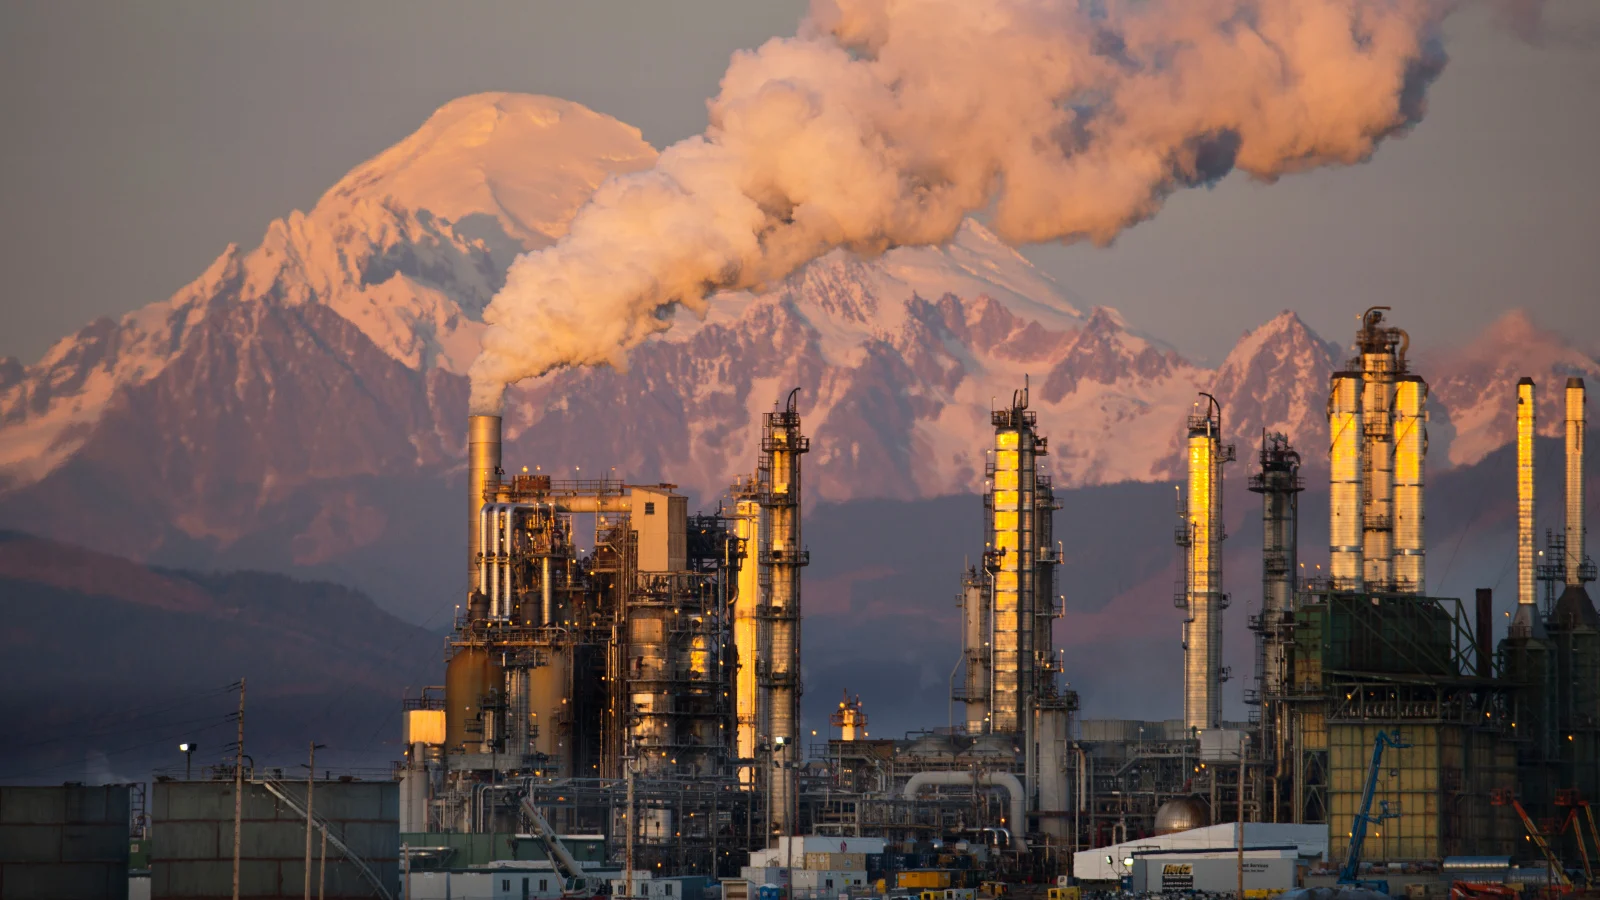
1015,824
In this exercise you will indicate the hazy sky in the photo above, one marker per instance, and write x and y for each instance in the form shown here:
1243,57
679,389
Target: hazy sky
139,139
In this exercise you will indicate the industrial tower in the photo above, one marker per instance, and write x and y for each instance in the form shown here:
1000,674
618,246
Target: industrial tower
1202,598
784,554
1378,444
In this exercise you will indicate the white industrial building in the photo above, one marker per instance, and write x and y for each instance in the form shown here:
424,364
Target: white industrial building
1308,842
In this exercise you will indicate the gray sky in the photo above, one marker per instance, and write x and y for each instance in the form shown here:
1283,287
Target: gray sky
139,139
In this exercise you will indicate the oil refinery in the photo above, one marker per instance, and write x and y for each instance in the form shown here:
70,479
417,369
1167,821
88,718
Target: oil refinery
624,670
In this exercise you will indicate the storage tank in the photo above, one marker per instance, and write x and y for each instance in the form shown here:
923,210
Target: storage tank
1180,814
471,678
549,710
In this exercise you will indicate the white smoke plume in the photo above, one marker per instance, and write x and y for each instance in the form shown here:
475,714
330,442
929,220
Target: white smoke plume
886,122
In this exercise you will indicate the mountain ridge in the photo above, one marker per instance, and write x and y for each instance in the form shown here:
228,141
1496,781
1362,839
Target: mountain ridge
280,405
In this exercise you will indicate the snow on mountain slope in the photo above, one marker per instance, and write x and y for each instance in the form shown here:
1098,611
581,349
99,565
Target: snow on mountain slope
1477,383
333,352
408,247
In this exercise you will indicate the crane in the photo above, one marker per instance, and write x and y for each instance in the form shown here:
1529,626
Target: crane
1501,797
1349,873
575,882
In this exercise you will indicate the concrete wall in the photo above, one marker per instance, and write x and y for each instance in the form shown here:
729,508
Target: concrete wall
192,839
68,842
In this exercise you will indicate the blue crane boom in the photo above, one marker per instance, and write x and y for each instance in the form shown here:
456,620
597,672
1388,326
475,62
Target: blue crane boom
1349,872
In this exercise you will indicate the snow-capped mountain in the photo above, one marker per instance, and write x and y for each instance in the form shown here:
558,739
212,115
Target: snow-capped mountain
291,397
409,247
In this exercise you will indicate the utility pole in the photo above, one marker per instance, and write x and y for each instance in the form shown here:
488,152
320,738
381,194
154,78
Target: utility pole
627,763
311,783
238,792
1243,740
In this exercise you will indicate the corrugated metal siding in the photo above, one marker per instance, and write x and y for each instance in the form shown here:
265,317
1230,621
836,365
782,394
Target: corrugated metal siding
68,842
191,848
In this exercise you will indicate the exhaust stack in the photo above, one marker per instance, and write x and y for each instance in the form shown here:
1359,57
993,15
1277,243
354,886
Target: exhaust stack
1576,572
483,476
1527,620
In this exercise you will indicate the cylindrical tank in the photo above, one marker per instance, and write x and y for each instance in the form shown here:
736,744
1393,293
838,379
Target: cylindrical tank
470,679
650,679
483,471
549,710
1344,481
1410,460
1180,814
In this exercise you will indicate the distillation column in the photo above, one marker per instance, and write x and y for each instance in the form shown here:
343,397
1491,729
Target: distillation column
1527,619
782,444
1011,563
1576,570
976,620
1201,536
1279,485
753,652
1379,368
1344,482
1410,459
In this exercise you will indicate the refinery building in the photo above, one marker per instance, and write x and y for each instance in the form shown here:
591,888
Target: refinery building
626,673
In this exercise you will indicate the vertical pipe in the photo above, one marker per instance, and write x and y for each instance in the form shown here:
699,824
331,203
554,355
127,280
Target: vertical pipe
1574,498
1527,423
546,600
1410,458
1485,630
1345,568
483,474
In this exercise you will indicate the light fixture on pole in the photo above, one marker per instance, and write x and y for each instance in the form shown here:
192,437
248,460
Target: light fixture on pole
187,749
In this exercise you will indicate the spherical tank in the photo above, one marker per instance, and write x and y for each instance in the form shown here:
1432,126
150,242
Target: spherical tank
470,677
549,706
1180,814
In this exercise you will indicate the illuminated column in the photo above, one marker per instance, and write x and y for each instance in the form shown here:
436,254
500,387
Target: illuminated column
1527,422
1377,452
753,653
1011,565
1344,482
783,444
1203,595
1410,457
1575,572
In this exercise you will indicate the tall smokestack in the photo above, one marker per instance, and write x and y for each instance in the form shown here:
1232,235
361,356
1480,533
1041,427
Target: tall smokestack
1527,618
1410,460
1575,536
1344,482
483,473
1203,596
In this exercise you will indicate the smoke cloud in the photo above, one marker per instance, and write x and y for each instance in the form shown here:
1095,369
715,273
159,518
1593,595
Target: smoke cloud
886,122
